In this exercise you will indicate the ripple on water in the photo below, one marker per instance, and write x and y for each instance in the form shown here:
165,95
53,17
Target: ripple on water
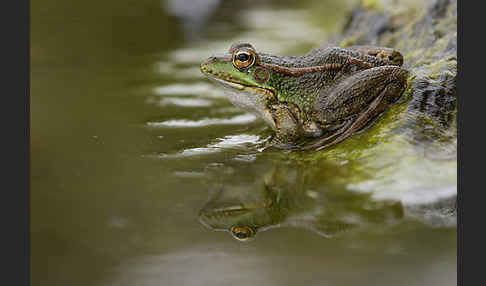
245,158
183,123
200,89
228,142
178,72
183,89
184,102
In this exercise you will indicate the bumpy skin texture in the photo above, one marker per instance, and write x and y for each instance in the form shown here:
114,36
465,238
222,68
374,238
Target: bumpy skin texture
328,93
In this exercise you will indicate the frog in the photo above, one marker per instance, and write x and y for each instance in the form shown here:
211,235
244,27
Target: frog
311,101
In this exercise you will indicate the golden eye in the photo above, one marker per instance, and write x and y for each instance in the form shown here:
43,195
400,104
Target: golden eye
242,233
243,58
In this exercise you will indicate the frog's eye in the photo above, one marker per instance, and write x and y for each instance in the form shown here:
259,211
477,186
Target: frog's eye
242,233
244,58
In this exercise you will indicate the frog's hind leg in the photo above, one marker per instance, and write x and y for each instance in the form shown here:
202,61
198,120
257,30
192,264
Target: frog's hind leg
351,127
390,92
373,109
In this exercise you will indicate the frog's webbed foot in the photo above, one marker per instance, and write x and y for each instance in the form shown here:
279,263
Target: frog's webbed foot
281,143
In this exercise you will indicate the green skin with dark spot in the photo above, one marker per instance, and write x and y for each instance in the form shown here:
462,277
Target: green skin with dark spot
315,100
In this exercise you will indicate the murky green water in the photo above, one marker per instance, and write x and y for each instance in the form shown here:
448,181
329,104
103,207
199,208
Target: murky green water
137,161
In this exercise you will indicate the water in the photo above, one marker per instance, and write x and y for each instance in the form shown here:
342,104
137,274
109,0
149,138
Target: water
140,166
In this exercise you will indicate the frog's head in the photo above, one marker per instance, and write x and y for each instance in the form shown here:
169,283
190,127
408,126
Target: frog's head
238,220
260,80
242,213
240,71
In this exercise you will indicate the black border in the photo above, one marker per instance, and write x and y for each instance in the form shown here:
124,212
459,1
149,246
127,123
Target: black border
15,211
15,119
459,207
471,145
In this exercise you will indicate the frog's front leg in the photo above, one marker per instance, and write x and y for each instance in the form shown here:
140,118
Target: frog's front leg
288,129
356,100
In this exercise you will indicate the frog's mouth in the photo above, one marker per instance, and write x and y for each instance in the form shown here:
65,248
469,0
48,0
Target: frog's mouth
232,211
214,213
226,80
250,98
239,86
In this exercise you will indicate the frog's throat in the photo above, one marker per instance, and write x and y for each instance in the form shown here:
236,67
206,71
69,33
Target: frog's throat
250,98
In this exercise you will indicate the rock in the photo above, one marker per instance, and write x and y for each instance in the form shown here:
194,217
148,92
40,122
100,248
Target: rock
425,32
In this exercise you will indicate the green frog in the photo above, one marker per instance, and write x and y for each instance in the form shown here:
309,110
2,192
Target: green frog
315,100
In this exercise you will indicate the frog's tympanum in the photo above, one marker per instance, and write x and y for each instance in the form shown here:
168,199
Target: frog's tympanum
325,95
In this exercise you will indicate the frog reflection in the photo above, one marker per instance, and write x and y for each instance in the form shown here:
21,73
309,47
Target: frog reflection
293,196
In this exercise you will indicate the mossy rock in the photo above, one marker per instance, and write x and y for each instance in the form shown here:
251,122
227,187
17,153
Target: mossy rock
412,147
425,32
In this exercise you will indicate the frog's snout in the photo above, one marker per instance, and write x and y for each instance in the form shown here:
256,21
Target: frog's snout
208,61
204,65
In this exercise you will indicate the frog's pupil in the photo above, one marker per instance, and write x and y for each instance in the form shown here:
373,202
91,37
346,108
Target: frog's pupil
241,235
242,57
